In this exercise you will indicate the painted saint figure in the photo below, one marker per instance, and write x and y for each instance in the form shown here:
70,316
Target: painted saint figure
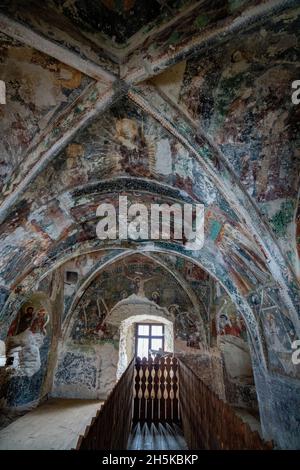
25,338
22,322
39,322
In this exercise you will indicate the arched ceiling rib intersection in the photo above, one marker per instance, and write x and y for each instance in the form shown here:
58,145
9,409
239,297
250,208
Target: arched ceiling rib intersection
110,82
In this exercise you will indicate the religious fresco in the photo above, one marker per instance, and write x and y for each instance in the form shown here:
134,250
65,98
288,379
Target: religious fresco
27,318
187,327
119,20
161,46
131,129
27,350
229,322
239,83
127,134
111,21
125,141
76,369
130,142
46,20
92,334
278,329
38,88
240,78
79,164
90,326
196,277
75,270
134,276
245,262
229,335
217,127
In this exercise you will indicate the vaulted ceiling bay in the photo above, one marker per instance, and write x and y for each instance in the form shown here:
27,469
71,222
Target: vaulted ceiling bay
162,102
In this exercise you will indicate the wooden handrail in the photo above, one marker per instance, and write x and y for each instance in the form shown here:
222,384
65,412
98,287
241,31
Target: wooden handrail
111,426
210,423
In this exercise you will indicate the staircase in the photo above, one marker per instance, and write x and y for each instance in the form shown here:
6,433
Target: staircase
159,436
151,401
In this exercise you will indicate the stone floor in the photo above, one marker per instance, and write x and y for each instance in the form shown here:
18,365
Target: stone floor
8,416
54,425
156,437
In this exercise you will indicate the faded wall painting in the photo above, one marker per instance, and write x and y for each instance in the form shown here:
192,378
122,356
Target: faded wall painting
27,350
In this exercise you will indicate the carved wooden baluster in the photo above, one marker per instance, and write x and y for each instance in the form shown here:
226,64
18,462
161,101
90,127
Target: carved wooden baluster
135,392
165,390
143,388
146,393
171,394
140,392
177,391
136,403
168,362
152,393
156,386
159,392
174,390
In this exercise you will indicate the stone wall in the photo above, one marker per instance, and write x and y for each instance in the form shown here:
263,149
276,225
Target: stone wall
208,366
85,371
89,368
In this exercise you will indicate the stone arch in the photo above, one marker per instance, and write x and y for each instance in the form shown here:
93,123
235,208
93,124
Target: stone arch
130,311
202,258
97,270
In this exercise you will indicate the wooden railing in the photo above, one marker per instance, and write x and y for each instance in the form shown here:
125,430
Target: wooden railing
156,390
111,426
210,423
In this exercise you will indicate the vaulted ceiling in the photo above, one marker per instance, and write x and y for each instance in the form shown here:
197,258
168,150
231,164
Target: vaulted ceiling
207,112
